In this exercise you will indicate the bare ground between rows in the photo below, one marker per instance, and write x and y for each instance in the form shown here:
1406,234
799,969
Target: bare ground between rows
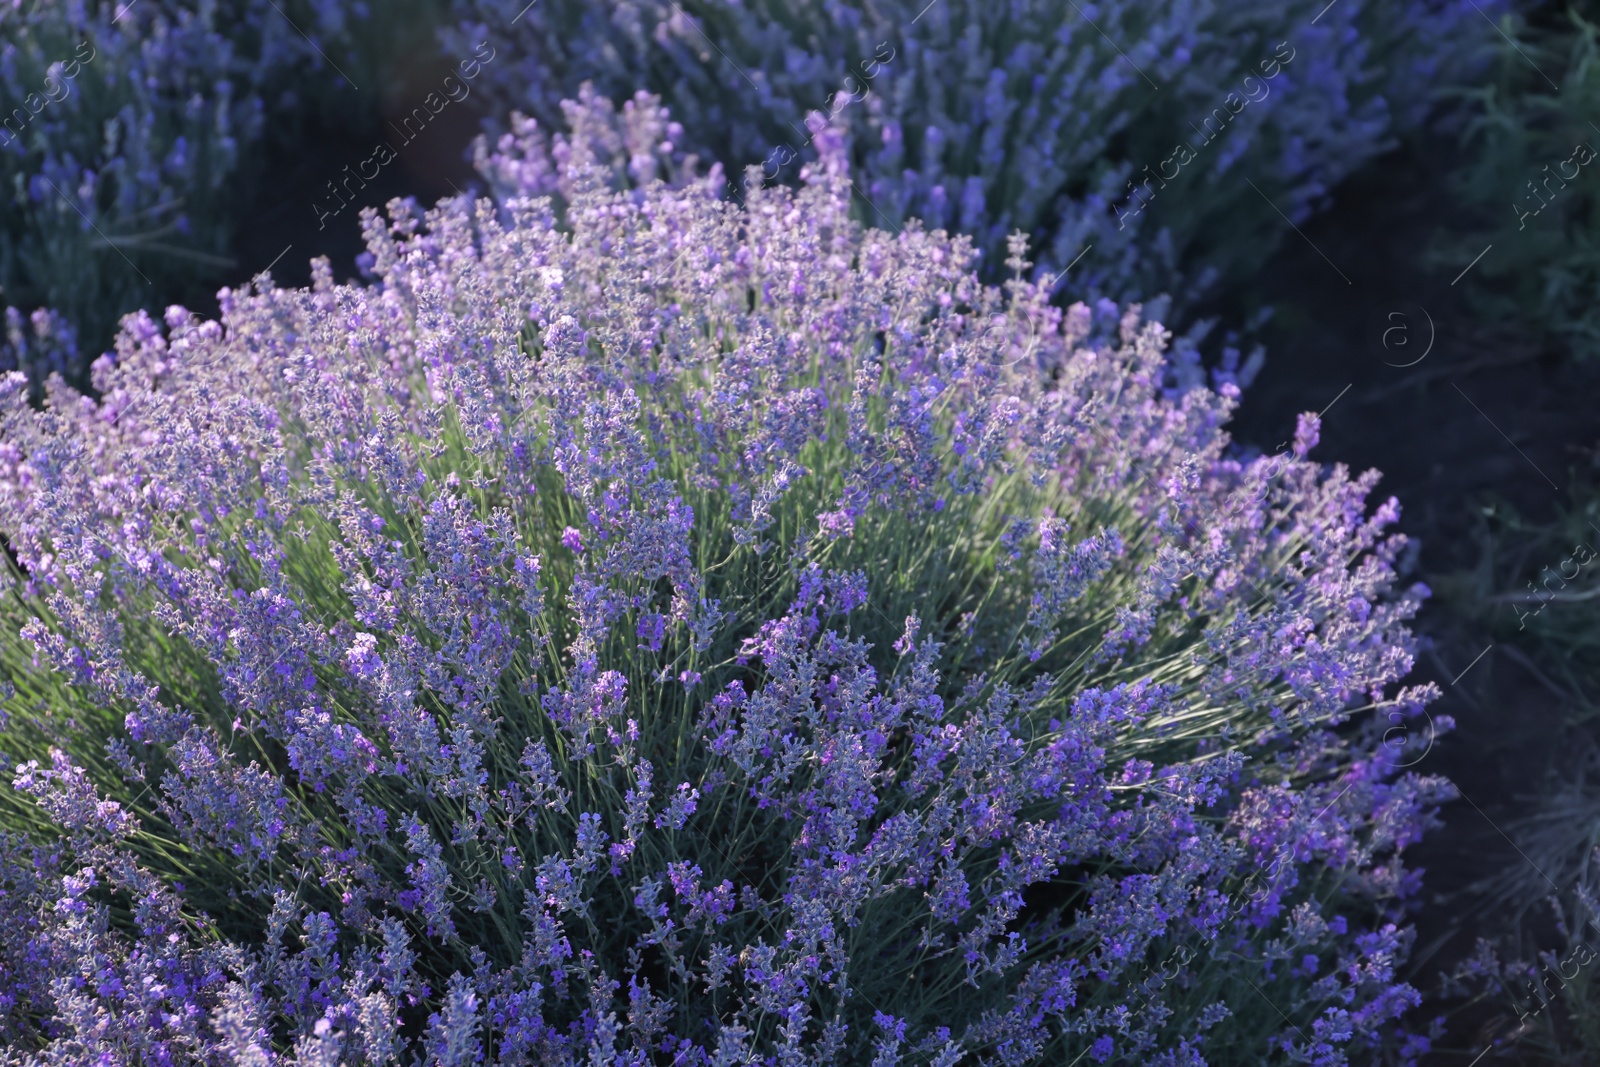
1486,414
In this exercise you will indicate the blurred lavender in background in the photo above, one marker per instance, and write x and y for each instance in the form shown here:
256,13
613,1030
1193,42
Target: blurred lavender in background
131,140
1034,114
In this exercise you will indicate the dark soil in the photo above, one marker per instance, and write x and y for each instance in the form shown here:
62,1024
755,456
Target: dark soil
295,216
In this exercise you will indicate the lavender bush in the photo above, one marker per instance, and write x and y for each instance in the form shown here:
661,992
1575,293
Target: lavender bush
643,629
47,345
1542,1003
1059,120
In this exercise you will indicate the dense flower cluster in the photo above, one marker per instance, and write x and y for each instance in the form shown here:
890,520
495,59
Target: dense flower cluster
1056,119
122,132
643,629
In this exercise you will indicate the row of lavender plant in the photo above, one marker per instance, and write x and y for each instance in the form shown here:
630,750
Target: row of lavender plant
119,136
1529,137
1154,148
640,628
125,178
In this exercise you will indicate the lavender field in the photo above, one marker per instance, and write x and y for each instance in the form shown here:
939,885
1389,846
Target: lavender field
832,532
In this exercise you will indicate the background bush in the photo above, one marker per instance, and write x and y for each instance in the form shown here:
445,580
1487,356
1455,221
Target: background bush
1030,115
118,190
126,190
1534,593
787,646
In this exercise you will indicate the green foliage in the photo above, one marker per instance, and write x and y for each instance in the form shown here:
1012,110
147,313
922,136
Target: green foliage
1536,590
1524,126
